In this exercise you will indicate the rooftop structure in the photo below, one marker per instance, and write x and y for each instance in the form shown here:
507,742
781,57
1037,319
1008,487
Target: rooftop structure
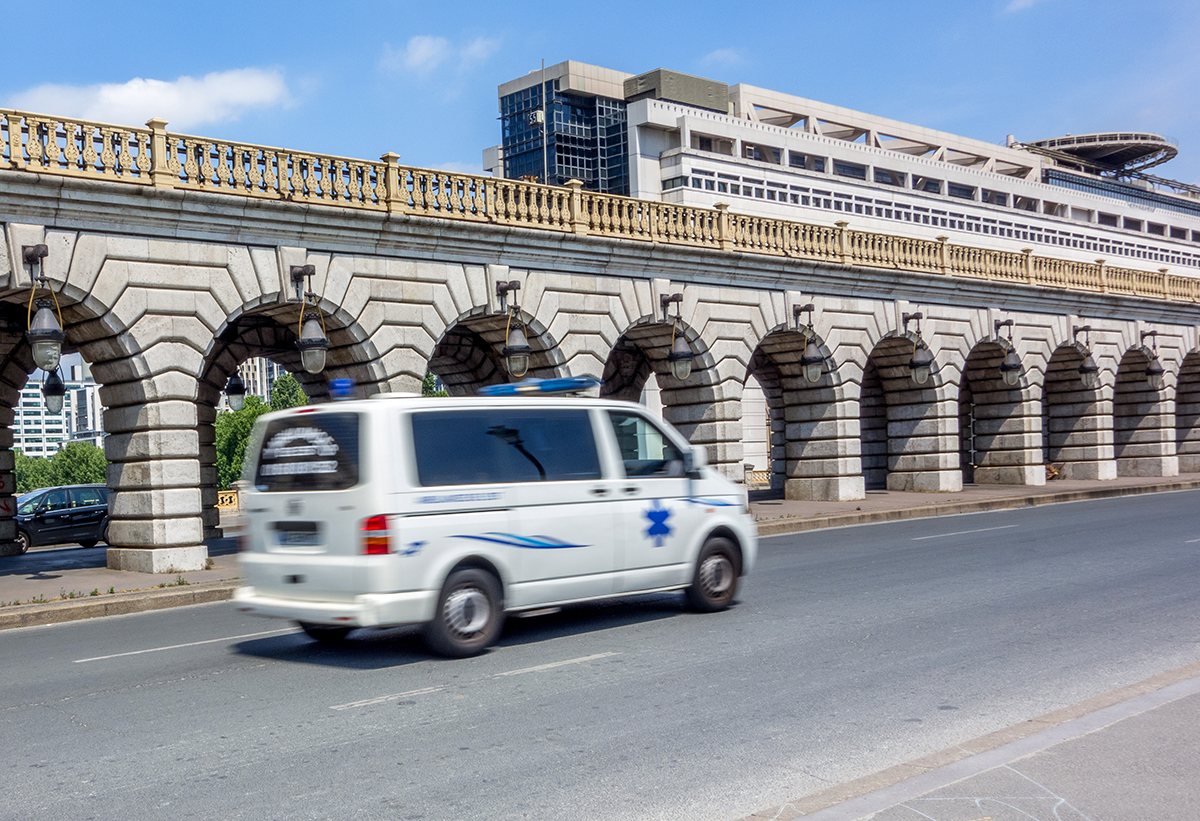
697,142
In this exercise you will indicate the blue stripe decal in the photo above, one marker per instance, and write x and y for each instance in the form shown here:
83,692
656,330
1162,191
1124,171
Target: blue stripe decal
512,540
711,502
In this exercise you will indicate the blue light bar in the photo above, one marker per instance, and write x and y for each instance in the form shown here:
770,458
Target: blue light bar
542,387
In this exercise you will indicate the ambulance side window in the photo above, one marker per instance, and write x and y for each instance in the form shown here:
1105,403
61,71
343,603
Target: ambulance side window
472,447
645,450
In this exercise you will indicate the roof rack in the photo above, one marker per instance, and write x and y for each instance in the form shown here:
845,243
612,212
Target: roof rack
560,386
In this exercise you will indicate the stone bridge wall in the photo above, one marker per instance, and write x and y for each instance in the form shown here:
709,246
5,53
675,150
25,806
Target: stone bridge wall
166,290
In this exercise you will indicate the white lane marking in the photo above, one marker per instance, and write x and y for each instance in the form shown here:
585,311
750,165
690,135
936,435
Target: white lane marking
189,644
541,667
963,532
381,699
1192,541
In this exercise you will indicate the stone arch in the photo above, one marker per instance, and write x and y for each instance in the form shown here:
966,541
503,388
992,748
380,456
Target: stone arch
916,426
467,356
269,330
1143,439
999,424
1077,435
814,447
1187,414
706,407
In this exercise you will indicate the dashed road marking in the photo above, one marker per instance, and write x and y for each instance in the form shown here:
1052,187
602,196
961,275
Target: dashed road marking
554,664
962,533
189,644
366,702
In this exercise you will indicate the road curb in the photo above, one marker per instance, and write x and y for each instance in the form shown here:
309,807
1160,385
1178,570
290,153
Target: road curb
780,527
118,604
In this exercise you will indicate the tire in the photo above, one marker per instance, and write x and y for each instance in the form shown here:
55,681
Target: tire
324,633
22,542
104,533
469,616
715,580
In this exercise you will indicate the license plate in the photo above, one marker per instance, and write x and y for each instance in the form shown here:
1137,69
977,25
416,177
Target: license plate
299,538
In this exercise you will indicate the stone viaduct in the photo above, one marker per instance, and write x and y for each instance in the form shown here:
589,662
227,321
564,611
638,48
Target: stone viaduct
171,258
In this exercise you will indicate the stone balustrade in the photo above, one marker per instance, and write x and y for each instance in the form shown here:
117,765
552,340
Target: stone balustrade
153,156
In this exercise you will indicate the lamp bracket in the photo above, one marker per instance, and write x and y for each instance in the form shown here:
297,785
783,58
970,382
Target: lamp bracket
502,289
807,308
299,274
665,300
1153,336
907,317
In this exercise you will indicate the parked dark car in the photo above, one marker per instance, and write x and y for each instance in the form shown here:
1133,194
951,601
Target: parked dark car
60,515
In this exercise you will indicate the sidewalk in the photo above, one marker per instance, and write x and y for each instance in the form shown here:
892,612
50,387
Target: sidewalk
1126,755
47,586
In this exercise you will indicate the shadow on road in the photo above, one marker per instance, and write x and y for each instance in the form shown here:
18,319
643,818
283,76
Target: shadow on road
381,648
39,563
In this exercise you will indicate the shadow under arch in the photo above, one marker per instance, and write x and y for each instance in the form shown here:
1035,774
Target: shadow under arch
998,422
1187,414
1143,441
705,409
812,450
1076,420
909,436
468,355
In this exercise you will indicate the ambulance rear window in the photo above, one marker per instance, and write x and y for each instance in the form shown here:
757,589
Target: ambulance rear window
310,451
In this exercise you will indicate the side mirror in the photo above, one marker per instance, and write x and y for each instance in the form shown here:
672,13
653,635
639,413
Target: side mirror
699,456
693,459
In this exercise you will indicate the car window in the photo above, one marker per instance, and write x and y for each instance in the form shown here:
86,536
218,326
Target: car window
29,505
473,447
56,500
645,449
87,496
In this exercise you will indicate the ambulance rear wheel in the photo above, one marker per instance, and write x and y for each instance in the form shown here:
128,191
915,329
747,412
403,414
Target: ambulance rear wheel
469,617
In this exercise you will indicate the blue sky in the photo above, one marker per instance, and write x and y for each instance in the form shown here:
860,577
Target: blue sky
360,78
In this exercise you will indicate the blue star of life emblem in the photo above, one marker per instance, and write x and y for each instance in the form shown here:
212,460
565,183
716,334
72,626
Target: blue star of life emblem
659,530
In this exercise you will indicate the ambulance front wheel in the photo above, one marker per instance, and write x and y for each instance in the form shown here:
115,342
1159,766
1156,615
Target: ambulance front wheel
715,580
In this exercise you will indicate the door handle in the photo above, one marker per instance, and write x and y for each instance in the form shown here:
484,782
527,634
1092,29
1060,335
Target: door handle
631,490
599,491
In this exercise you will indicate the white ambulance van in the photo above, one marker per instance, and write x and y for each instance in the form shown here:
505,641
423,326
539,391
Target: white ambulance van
453,512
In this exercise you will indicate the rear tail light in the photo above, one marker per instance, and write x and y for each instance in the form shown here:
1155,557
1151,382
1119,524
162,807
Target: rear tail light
376,538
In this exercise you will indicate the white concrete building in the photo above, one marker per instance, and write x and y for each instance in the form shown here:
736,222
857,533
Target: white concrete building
39,433
696,142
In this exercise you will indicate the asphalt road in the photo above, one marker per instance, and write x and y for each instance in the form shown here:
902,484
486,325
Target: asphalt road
851,650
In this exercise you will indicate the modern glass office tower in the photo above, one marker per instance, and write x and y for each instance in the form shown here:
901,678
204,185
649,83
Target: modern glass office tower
585,140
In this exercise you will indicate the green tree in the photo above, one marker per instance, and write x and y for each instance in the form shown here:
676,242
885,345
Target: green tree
287,393
429,385
32,472
232,434
76,463
79,463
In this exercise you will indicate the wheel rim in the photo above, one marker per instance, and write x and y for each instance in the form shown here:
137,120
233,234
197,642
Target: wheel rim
467,611
716,575
23,541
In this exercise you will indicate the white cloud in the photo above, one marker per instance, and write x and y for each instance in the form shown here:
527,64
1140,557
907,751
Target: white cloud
421,54
460,168
722,57
424,53
185,103
477,51
1021,5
